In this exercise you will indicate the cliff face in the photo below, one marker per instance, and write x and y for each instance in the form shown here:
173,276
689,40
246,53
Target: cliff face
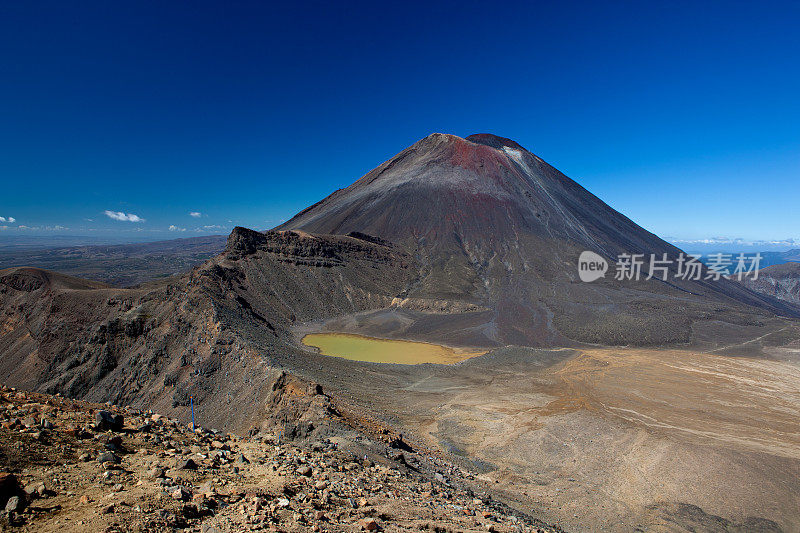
215,334
778,281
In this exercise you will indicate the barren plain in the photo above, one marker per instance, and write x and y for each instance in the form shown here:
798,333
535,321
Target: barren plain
616,439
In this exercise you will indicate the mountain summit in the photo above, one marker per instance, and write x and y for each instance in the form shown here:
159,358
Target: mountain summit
496,226
483,189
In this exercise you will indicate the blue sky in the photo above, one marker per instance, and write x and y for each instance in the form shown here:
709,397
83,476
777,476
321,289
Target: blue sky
684,117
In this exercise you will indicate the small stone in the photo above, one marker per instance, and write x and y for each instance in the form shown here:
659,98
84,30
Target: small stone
304,471
188,464
108,457
85,499
179,493
35,489
369,524
14,504
190,510
283,502
155,473
108,509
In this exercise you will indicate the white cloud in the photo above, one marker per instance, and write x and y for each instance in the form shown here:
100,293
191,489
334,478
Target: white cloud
123,217
173,227
196,214
10,220
737,240
212,227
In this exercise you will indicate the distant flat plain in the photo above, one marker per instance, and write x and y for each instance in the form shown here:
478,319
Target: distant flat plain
121,265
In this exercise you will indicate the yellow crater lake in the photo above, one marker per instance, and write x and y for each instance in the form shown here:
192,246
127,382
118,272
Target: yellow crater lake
370,349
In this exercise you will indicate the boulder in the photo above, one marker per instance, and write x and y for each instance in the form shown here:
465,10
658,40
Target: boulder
107,421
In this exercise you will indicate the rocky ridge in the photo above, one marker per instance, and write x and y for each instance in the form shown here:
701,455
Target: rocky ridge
77,466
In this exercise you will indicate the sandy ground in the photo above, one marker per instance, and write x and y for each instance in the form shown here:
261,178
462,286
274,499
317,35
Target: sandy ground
613,439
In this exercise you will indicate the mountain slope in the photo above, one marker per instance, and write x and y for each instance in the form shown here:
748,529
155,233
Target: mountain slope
780,281
495,226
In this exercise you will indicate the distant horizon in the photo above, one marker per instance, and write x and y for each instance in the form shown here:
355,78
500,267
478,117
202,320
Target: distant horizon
26,241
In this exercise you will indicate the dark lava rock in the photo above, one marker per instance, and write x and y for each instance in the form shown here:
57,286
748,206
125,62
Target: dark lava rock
399,444
108,457
106,421
9,488
189,464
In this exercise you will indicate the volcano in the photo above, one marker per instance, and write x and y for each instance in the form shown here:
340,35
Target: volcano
494,226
